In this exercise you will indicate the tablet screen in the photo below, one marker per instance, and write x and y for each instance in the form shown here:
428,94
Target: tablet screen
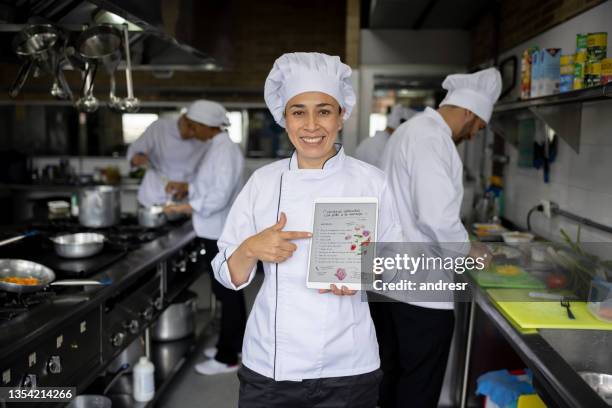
343,232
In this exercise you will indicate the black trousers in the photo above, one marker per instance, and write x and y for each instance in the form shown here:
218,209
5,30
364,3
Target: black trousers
233,313
354,391
414,344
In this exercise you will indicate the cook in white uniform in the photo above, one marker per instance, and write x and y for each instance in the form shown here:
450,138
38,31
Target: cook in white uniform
211,193
302,346
425,171
371,149
173,152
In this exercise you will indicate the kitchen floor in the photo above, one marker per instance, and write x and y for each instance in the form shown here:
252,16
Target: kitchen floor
191,390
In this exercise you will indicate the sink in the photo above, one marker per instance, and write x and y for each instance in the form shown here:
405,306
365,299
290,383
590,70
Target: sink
583,350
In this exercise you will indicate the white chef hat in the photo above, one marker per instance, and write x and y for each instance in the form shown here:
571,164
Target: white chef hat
475,92
208,113
299,72
399,114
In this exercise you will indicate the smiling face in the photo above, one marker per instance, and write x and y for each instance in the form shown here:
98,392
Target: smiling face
312,121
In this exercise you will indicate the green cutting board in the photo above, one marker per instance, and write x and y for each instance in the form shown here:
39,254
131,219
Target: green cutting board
488,278
526,313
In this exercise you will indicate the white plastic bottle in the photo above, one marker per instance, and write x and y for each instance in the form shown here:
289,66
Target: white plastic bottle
143,380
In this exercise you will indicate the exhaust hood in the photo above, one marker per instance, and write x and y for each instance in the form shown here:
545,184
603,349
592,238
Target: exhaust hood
161,38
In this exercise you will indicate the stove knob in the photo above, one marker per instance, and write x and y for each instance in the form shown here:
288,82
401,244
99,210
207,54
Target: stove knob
147,314
133,326
158,303
29,381
117,339
54,365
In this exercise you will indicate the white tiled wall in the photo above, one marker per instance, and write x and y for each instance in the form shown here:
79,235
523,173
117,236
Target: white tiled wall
580,183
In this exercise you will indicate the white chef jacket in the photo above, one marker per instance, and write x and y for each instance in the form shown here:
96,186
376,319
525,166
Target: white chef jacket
293,332
216,184
425,173
371,149
175,158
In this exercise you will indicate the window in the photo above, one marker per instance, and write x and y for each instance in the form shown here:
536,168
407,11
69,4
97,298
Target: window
378,121
134,124
235,127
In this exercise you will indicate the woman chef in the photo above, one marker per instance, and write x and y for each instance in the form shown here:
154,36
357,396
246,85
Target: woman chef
303,346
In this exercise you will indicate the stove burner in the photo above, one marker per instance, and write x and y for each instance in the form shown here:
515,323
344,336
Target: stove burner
125,236
13,304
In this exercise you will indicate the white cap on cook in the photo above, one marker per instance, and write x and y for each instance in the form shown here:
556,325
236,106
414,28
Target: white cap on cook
299,72
208,113
475,92
399,114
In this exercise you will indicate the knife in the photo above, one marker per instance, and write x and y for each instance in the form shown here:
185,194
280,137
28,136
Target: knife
549,296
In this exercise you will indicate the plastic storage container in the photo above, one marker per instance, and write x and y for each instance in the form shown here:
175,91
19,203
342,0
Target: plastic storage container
600,299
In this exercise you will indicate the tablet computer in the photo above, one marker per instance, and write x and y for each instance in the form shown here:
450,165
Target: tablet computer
343,235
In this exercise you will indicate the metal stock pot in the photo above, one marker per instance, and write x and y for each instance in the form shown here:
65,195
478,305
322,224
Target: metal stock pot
178,320
99,206
151,217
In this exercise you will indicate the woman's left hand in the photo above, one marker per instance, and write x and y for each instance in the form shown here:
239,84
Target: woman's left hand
343,291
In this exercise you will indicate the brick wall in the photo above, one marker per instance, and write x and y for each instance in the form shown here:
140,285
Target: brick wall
520,20
255,33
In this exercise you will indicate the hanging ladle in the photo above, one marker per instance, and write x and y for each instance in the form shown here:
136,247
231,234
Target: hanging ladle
130,104
98,45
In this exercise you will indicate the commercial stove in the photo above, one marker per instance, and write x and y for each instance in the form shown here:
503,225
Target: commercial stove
66,336
120,239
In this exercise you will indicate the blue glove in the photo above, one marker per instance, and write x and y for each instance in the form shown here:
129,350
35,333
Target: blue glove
503,388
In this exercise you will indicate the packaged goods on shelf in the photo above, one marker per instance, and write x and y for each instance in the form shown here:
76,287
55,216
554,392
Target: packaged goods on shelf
526,72
597,46
606,71
581,42
550,61
566,79
579,68
536,64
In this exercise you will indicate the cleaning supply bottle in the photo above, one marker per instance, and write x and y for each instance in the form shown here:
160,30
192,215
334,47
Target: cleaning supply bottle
143,380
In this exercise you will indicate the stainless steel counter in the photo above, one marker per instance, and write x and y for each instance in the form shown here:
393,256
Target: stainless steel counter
554,356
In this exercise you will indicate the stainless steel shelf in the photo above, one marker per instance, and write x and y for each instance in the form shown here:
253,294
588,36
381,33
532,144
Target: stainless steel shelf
582,95
560,112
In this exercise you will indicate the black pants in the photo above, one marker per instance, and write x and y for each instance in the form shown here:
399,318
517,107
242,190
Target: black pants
233,313
414,345
354,391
